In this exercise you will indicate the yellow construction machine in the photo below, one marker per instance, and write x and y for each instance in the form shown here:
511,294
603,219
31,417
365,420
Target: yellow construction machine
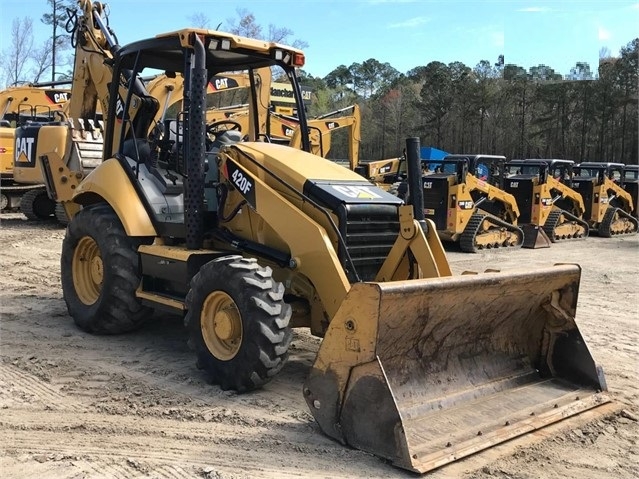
321,129
20,105
247,239
464,198
384,173
550,209
77,138
608,206
630,183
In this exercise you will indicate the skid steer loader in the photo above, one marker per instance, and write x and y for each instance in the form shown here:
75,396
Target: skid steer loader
550,208
630,183
20,105
608,206
248,239
463,196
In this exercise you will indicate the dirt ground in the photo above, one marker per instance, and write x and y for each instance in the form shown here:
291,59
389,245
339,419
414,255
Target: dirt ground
73,405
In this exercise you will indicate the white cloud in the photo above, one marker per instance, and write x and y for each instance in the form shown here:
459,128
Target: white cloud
635,6
603,34
412,23
498,38
533,9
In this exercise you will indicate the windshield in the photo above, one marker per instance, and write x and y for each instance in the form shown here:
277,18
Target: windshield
631,174
430,167
520,169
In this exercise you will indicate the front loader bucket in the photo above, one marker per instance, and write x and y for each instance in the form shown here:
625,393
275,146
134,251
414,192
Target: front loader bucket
535,237
425,372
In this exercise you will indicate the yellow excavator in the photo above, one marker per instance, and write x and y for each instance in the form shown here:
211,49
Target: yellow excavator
281,129
546,200
322,127
608,206
20,105
247,239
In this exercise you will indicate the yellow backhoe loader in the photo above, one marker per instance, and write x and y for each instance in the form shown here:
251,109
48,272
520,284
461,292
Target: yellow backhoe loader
247,239
546,200
608,206
20,105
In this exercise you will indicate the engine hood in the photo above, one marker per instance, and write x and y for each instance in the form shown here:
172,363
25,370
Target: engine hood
318,178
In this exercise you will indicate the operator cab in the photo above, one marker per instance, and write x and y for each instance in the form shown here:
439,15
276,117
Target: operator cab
157,153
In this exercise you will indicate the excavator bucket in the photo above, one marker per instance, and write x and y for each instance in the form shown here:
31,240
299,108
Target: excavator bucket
535,237
426,372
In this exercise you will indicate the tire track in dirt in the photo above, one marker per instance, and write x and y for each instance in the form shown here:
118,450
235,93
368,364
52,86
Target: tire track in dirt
34,390
151,441
153,402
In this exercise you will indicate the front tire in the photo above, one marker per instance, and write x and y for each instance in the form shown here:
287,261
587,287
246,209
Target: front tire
100,273
237,322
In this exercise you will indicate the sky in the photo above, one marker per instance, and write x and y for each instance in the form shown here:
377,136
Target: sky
404,33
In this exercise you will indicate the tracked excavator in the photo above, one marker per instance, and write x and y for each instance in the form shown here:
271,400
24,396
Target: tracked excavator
551,209
608,206
20,105
463,196
247,239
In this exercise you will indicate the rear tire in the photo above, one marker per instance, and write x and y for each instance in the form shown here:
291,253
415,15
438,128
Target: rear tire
36,205
237,322
100,273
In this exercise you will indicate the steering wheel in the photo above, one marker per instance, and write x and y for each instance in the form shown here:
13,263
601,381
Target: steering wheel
214,128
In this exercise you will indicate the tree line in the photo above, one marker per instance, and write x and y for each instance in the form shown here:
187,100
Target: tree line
491,108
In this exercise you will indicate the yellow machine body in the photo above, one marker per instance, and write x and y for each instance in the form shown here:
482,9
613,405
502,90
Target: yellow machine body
416,365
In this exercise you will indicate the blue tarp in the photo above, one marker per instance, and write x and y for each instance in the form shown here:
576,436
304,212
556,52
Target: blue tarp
430,153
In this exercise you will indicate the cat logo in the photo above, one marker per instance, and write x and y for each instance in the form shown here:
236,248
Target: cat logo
119,108
331,125
288,131
359,192
221,83
24,150
60,97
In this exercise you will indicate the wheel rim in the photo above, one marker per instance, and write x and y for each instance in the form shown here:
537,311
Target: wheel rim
88,272
221,325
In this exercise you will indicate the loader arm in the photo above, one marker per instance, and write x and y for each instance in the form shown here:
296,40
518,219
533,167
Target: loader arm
492,193
569,194
617,192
